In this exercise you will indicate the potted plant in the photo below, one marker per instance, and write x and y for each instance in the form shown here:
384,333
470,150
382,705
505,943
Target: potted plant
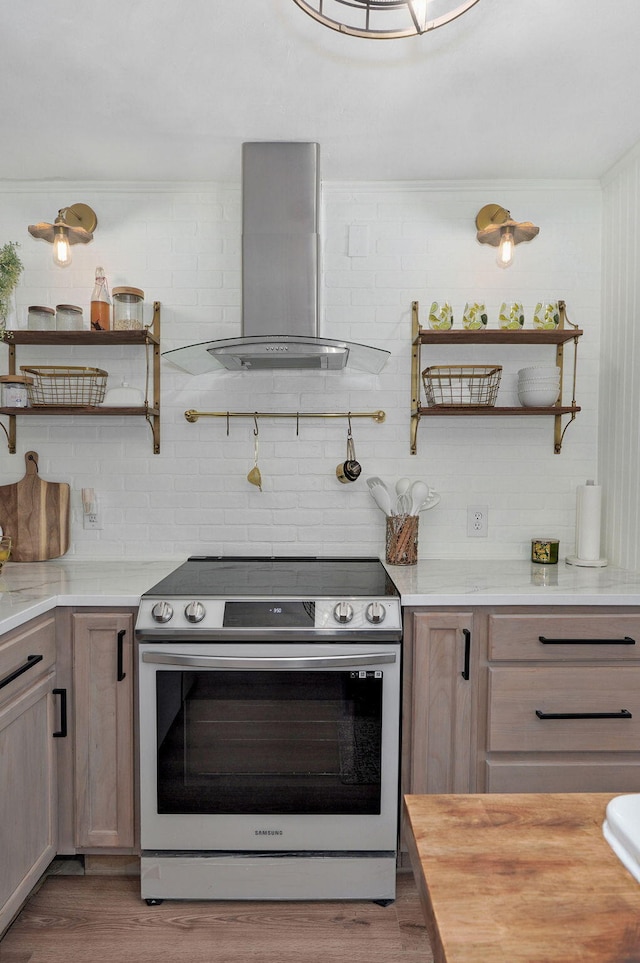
10,271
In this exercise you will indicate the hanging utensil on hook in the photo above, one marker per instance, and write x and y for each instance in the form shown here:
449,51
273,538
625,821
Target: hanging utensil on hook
349,470
254,476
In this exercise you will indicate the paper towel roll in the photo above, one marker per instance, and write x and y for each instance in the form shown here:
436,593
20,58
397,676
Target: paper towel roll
588,517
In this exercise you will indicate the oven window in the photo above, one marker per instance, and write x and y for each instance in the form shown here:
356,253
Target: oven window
269,742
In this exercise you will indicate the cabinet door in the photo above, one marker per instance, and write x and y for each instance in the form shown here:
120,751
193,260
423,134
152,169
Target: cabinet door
104,747
441,705
28,798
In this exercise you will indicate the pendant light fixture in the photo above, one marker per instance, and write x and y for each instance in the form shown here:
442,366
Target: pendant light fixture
384,19
496,227
73,225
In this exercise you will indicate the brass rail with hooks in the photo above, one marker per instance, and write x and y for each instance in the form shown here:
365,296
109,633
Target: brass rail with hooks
192,415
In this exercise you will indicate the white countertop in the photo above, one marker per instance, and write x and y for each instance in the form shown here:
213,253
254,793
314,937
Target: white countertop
464,582
30,589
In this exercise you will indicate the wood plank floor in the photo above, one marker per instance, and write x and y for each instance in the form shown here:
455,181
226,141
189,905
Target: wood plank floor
73,919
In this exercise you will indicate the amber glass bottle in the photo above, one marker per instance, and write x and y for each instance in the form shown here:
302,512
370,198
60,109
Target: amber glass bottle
100,303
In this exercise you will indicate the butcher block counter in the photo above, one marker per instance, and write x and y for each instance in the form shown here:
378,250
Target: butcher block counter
522,878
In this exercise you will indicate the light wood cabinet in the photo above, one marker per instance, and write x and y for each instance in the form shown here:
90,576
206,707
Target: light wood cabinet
551,702
562,702
103,683
439,665
28,779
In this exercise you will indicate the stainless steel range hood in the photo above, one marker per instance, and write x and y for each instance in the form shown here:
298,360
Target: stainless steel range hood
280,273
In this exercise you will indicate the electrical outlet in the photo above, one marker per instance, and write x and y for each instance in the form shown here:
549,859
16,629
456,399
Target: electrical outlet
477,521
92,520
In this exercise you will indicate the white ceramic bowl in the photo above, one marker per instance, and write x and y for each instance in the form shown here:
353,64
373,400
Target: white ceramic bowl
538,397
539,371
539,383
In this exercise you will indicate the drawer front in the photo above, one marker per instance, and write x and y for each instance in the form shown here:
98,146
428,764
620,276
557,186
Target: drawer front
563,776
517,695
566,637
20,652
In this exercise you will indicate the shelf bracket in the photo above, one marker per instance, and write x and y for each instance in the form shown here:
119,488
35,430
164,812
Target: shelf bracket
415,376
558,430
11,434
153,418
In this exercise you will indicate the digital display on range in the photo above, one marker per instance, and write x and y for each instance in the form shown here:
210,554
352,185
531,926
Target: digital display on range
269,614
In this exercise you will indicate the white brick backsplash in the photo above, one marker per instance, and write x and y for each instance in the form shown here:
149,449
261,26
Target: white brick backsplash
182,247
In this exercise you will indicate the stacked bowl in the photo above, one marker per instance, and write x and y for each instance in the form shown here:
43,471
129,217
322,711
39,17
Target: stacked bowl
539,386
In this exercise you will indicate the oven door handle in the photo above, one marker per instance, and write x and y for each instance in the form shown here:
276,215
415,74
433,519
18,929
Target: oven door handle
268,662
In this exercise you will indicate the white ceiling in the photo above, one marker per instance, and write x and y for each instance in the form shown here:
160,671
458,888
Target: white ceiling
166,90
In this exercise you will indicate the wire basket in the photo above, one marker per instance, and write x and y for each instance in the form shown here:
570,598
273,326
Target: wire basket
70,385
457,386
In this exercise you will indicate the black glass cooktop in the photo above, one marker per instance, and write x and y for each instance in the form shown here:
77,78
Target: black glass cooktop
306,578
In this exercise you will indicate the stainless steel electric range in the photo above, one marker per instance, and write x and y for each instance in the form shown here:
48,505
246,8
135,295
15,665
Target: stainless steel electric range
269,721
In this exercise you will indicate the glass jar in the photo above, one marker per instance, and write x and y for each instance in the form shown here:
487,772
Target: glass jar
127,309
69,317
40,318
14,391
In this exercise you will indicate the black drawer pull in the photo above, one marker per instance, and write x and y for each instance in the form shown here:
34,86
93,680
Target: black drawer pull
120,673
31,661
62,731
625,641
623,714
467,653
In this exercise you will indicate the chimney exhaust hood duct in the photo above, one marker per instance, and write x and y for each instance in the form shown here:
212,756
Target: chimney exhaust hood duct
280,272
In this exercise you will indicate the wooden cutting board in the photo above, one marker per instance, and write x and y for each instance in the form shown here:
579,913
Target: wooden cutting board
35,515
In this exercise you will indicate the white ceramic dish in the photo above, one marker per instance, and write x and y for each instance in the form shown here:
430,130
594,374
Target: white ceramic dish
621,829
538,397
539,383
123,397
540,371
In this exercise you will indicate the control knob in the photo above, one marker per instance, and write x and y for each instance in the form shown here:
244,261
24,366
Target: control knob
195,612
162,612
343,612
375,612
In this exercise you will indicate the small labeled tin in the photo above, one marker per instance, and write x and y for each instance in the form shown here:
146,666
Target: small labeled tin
545,550
14,391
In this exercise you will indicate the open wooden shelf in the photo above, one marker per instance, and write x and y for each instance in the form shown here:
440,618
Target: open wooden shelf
142,336
79,410
496,410
558,338
495,336
148,337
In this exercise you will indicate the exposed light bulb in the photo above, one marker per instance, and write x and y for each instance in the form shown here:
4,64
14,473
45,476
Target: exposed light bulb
61,246
505,251
418,11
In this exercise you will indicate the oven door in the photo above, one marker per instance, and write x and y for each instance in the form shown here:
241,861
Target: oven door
264,747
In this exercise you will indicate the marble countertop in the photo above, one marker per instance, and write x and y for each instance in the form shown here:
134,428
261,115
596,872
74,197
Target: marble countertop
30,589
465,582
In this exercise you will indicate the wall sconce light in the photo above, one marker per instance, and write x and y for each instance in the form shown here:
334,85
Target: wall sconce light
496,227
73,225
